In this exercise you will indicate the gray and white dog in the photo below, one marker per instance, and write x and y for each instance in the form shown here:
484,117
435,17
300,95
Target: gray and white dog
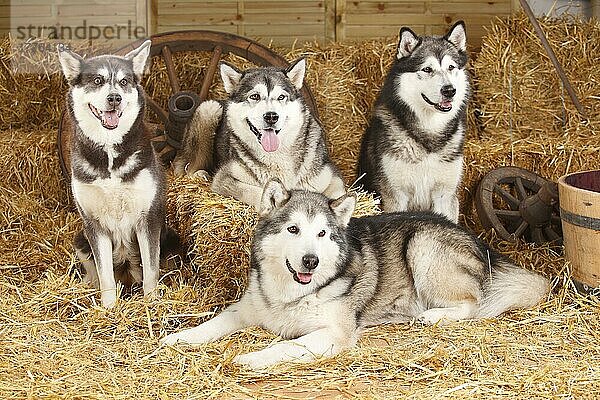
266,131
412,151
319,277
116,179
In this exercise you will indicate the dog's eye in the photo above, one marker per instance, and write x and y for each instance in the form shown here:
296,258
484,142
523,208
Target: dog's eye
98,80
282,97
123,82
293,229
321,234
254,96
451,67
427,70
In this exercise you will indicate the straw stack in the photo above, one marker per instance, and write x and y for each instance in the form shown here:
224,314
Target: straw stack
56,342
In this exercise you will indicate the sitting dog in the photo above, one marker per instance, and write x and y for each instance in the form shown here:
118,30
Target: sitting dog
265,131
117,181
319,277
412,150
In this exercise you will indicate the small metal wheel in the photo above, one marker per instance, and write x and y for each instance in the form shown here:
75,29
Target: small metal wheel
182,104
519,204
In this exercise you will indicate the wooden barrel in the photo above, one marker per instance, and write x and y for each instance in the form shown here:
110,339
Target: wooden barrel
579,195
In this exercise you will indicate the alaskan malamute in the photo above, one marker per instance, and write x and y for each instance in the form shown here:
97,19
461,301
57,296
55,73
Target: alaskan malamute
412,150
117,181
266,131
319,277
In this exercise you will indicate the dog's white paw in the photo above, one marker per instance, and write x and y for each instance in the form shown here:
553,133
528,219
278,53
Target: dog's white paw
210,110
174,339
435,316
109,298
193,337
256,361
202,174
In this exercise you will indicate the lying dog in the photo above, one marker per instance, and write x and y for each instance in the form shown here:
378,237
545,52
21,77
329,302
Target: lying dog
266,131
319,277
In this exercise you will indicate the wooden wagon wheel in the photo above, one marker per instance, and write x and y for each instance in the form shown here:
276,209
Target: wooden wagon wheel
518,203
182,104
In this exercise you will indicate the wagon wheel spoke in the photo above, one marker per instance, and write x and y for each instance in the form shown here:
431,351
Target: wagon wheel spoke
512,201
507,214
162,114
521,191
521,229
537,234
210,73
551,233
168,57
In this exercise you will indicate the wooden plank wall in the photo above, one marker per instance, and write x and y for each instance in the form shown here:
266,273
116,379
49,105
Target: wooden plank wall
72,13
360,19
284,21
279,21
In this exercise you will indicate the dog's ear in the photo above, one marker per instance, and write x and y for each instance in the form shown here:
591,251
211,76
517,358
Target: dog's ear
408,42
457,35
274,196
139,57
343,207
296,72
230,75
70,62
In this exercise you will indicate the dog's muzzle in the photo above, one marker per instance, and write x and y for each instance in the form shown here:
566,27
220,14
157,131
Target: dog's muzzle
109,118
444,106
267,137
303,278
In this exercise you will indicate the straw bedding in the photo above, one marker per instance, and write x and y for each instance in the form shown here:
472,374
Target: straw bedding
56,342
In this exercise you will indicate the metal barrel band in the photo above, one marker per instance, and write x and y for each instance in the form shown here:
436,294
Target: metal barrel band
580,220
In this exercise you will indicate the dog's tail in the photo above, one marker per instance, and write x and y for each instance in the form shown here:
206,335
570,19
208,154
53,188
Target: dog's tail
196,153
510,287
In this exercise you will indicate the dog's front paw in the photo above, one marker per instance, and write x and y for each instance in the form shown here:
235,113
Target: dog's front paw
256,361
174,339
109,298
210,110
191,337
434,316
202,174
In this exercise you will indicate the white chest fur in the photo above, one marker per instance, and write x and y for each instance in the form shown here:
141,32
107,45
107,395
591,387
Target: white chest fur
419,180
116,205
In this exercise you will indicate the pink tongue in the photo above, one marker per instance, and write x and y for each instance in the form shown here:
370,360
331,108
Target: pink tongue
110,118
304,278
446,104
269,140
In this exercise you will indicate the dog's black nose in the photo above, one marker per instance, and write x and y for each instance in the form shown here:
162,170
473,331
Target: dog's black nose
448,91
310,261
114,99
271,117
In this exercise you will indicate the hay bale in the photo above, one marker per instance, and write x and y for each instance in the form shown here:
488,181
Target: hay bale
519,92
219,231
31,166
57,342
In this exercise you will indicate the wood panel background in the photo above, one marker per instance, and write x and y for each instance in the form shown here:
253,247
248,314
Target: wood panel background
285,21
281,22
